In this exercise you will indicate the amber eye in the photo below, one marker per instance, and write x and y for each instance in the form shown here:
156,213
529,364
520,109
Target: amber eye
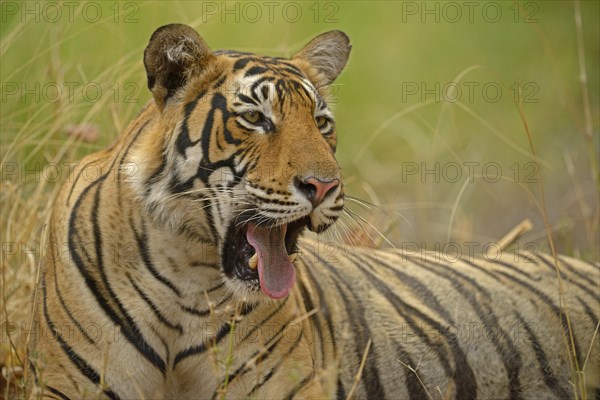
321,122
252,116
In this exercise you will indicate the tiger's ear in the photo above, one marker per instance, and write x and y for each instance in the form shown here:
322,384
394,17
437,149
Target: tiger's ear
327,54
174,54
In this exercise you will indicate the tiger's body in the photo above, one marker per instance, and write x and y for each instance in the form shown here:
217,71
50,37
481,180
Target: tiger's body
150,290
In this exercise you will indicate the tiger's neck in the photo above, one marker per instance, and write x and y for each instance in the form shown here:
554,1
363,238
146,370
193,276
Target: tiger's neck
158,176
134,244
183,264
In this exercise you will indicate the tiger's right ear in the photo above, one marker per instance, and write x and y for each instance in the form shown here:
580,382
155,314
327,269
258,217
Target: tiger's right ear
174,54
328,54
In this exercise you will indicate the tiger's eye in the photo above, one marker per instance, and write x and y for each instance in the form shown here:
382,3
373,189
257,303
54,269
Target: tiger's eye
321,122
252,116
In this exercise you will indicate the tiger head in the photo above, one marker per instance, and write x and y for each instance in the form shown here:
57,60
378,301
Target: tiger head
240,151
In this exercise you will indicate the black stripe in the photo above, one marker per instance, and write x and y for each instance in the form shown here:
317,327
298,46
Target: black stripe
219,286
274,340
266,352
156,174
241,63
274,201
413,385
541,296
247,308
130,330
265,92
309,305
202,264
218,205
226,382
530,259
415,326
588,312
77,361
505,347
204,313
153,307
202,347
370,377
429,298
242,127
340,393
56,392
220,81
257,83
255,70
281,90
545,368
265,209
418,287
581,275
513,268
83,168
586,289
230,377
247,99
299,386
328,132
218,103
249,156
307,94
176,186
294,71
49,396
416,389
323,307
142,242
183,141
244,367
208,210
64,305
273,371
265,320
466,385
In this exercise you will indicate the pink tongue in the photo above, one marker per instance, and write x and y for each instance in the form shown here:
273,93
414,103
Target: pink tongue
275,270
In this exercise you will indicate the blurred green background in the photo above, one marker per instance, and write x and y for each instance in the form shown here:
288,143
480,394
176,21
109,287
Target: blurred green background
431,109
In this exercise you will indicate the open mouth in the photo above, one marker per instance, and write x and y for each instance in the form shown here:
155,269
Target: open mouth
262,255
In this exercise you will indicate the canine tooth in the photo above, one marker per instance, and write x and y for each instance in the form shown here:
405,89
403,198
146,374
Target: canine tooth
294,257
253,261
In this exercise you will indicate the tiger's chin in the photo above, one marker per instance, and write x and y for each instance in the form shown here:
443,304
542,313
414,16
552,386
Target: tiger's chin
258,259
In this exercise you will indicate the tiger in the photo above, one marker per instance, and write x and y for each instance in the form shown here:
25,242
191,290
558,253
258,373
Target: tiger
182,268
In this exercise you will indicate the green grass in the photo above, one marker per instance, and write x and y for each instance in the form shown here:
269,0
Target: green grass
384,132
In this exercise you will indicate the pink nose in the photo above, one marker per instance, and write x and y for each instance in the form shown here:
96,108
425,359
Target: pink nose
316,190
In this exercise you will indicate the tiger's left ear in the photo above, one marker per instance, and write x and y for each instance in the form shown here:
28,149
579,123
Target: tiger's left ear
175,53
328,54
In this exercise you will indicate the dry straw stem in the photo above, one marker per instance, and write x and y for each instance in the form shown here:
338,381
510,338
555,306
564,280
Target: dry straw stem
496,132
479,176
414,371
588,132
578,378
360,370
523,227
258,356
591,225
